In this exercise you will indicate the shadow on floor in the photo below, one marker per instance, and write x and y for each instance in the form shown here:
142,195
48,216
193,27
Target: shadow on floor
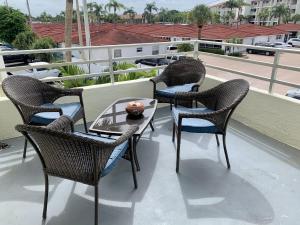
211,191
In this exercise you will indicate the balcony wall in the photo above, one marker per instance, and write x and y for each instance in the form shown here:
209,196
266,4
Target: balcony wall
273,115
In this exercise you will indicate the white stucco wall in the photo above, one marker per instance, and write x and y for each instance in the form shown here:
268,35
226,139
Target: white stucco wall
273,115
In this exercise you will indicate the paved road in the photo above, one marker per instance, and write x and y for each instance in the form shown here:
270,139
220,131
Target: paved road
285,75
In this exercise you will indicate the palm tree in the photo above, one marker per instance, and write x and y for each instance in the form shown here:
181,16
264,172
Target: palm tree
296,18
131,13
95,11
263,15
231,4
68,28
282,12
115,5
200,15
150,7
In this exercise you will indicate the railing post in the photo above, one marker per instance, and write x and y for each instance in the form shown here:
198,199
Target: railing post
274,71
111,66
196,49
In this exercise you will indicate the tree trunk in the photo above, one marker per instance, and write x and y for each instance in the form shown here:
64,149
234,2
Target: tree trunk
68,28
199,31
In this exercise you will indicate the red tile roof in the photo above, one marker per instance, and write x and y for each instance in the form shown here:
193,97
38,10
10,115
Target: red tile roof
110,34
289,27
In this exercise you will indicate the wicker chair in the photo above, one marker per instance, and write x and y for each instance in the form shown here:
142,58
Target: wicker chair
185,75
76,156
219,104
35,101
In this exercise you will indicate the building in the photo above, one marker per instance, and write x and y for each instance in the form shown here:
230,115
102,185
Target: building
120,34
254,7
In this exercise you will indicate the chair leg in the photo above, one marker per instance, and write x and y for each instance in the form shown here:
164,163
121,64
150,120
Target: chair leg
151,125
133,165
225,151
178,149
25,148
173,134
96,204
84,123
46,196
217,138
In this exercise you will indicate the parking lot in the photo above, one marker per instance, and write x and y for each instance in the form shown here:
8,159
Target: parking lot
285,75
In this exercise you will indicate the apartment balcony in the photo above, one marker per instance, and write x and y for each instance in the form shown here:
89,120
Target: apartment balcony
263,145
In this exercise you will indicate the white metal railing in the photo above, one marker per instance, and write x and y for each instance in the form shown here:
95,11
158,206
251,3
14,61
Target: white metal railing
110,59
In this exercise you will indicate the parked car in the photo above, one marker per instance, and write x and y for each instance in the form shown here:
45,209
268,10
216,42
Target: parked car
282,45
174,58
172,49
295,42
12,59
260,51
153,61
38,73
294,93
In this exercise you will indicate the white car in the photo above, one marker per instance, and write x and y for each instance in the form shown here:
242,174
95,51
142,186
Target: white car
282,45
295,42
38,73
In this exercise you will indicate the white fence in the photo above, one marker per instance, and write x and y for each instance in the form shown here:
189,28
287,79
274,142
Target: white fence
272,79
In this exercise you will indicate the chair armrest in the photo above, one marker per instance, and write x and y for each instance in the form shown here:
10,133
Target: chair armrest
156,80
125,136
63,123
72,92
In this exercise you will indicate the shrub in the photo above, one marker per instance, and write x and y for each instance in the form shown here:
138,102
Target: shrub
75,70
218,51
235,54
25,40
44,43
185,47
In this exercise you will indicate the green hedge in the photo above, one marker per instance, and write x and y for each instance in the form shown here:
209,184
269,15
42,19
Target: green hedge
218,51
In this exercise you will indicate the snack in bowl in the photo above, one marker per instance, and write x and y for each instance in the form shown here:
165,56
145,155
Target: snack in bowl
135,108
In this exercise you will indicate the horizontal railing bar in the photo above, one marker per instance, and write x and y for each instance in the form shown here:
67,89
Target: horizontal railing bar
150,56
53,50
294,68
237,59
238,72
139,69
287,83
145,44
295,51
50,65
74,77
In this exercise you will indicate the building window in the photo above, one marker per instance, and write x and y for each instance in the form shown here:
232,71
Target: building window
117,53
155,50
139,49
278,37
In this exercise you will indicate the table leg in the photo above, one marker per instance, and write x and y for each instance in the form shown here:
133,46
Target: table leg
134,153
151,125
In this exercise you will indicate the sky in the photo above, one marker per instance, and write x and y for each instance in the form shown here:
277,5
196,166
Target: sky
55,6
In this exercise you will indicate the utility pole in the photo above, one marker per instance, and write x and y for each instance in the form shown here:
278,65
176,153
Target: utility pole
29,13
6,3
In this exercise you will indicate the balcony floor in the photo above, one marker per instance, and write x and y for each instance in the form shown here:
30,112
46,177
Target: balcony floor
261,188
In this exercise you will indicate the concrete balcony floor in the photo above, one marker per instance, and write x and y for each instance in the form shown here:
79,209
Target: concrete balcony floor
261,188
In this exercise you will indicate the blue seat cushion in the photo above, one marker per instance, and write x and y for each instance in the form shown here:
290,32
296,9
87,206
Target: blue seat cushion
169,92
194,125
45,118
115,156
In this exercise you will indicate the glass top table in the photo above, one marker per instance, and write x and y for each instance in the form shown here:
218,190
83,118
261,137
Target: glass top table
114,120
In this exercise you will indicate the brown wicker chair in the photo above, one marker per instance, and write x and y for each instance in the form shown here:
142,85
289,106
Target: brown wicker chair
184,75
219,104
77,156
35,101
